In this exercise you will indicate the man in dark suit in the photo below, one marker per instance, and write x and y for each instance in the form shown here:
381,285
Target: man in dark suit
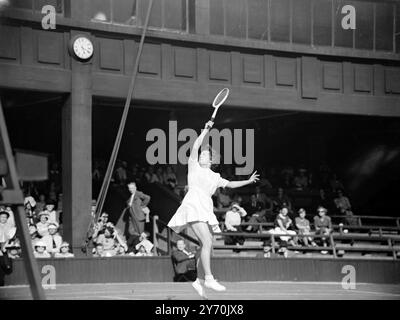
134,216
5,265
184,263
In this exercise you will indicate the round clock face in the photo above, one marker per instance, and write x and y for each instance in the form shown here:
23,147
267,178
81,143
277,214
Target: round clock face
83,48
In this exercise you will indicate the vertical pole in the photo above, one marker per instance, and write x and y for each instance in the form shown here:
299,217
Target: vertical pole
16,197
155,232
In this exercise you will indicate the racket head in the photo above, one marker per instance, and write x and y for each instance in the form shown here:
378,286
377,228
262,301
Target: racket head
220,98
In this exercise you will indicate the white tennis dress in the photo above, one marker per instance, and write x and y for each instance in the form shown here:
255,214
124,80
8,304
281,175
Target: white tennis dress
197,204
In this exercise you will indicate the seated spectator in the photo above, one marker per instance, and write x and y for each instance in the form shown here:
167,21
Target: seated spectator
304,229
233,220
100,226
323,226
150,176
5,265
342,203
255,211
30,214
40,250
184,263
52,240
14,250
6,231
282,200
145,243
112,243
99,250
282,225
49,210
42,225
301,181
41,204
170,178
264,182
64,251
160,175
223,198
33,233
267,251
11,218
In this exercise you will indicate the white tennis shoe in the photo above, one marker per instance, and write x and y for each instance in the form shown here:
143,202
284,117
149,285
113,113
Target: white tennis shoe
199,289
213,284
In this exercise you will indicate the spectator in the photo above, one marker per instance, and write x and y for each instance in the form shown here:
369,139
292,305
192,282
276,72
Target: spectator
133,215
233,220
150,176
267,250
42,225
5,265
121,175
255,211
14,250
49,210
40,206
170,178
29,213
145,243
282,200
99,251
282,225
112,242
301,181
303,227
33,233
342,203
52,240
160,175
100,226
64,251
40,250
323,226
264,182
223,199
6,231
141,252
184,263
11,218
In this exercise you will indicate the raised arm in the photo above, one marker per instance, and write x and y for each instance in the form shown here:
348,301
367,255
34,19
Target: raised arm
197,144
237,184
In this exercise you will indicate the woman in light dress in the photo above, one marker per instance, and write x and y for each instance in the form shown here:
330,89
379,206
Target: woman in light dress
196,210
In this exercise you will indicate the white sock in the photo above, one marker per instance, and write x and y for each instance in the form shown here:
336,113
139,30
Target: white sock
209,277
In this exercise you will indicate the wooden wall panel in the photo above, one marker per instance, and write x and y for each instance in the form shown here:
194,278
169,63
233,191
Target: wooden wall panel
111,54
310,79
332,76
363,78
50,47
150,61
285,72
185,63
9,43
220,66
392,80
253,69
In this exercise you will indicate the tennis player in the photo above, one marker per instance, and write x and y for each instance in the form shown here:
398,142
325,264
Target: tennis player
196,210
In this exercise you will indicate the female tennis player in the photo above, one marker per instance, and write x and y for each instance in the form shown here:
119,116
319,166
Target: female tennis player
196,210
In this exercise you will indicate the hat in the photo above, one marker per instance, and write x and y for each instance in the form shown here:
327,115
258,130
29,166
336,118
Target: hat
30,200
40,243
43,213
5,212
64,244
50,202
53,223
235,205
104,214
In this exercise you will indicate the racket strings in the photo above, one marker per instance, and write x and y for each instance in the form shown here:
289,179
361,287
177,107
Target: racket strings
221,97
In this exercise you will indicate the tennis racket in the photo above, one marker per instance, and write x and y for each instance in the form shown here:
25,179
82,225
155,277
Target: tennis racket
218,101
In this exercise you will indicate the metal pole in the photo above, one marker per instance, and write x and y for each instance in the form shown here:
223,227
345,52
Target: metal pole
111,164
15,197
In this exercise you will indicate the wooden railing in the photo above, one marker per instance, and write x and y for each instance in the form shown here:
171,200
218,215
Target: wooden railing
334,244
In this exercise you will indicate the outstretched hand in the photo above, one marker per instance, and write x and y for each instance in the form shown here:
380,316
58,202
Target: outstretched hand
254,177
